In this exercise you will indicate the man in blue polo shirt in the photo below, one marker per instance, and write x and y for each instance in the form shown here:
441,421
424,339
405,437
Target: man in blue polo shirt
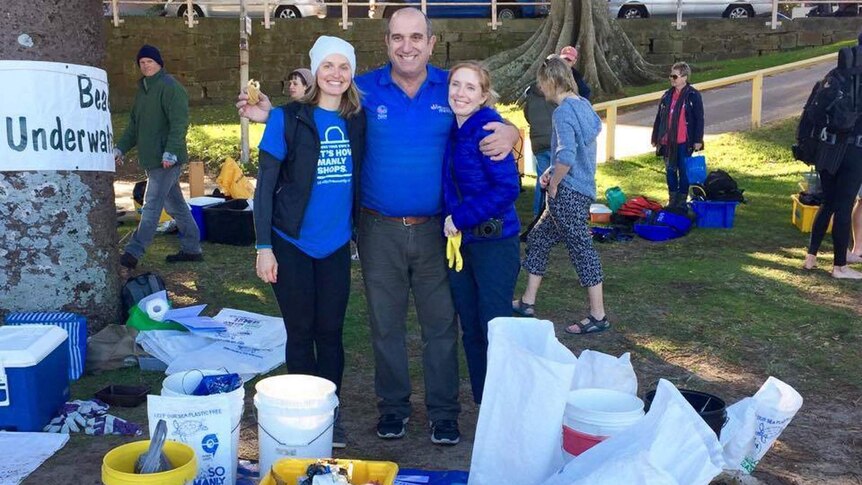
400,235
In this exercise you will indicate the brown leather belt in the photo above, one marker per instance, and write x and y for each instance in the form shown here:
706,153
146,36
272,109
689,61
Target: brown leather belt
407,221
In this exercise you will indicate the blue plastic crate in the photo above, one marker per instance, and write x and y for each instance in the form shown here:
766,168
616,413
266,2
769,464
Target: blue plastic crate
74,324
714,214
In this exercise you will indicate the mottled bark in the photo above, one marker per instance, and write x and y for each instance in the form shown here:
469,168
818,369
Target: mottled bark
57,228
608,60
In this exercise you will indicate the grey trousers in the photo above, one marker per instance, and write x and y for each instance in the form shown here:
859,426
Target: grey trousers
397,259
163,192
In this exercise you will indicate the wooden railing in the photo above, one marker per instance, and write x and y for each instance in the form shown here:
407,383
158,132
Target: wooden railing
756,77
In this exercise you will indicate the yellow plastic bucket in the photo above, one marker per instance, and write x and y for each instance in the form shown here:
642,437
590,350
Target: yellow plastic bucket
289,470
118,466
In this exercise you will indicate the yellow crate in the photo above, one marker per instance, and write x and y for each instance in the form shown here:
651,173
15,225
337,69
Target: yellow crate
290,469
802,215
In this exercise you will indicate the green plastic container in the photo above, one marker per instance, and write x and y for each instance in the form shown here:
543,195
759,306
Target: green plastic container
616,198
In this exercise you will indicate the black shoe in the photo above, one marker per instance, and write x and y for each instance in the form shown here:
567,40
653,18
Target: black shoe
339,436
128,261
183,257
445,432
391,427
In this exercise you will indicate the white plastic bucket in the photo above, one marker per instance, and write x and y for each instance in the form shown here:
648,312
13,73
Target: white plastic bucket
295,415
593,415
183,384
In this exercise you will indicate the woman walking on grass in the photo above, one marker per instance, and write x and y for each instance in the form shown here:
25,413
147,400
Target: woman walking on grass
571,186
479,203
310,159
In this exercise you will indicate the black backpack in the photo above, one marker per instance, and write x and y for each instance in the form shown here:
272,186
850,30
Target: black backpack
832,108
138,287
720,186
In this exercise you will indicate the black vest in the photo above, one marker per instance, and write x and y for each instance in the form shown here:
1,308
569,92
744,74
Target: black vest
299,170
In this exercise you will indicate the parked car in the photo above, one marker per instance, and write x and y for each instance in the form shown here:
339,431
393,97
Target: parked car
458,9
633,9
284,9
133,9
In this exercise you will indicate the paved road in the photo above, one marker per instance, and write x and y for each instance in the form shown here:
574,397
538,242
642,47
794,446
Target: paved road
726,109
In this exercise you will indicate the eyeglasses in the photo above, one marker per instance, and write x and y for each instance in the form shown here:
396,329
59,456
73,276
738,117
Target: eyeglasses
675,76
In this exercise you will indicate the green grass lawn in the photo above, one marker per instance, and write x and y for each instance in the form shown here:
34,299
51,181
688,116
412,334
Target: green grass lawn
735,297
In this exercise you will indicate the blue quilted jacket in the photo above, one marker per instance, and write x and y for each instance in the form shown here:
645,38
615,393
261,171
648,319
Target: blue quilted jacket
488,189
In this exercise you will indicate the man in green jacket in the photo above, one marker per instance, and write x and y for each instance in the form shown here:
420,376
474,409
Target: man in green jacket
157,126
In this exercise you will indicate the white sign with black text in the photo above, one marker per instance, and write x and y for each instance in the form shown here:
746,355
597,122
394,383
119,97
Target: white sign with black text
54,116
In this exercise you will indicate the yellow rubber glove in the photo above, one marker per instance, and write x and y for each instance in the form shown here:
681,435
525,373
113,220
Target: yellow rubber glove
453,252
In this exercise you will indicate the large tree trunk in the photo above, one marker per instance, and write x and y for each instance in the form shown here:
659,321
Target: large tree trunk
58,231
608,60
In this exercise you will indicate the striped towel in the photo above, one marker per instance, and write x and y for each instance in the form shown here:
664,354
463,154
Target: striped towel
74,324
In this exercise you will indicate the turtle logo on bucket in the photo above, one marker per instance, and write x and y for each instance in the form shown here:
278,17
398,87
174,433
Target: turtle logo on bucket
210,443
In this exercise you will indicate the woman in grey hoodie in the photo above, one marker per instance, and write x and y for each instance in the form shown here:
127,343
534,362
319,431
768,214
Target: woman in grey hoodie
571,186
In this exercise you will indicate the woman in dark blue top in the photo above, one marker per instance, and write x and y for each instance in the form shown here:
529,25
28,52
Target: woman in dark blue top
479,203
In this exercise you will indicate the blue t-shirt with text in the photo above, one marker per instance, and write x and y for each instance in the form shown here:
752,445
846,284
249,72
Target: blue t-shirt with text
326,226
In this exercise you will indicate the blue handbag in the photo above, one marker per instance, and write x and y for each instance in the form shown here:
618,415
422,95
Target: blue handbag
695,169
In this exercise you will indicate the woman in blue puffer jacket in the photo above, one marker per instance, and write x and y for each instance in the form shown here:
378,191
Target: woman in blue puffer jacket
479,203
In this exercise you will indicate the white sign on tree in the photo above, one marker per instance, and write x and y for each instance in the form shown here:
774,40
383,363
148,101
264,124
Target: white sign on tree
54,116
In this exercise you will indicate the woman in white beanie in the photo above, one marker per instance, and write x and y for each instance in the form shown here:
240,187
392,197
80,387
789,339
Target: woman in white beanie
307,192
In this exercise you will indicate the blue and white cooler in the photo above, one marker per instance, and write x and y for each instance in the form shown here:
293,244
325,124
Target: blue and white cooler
73,323
34,375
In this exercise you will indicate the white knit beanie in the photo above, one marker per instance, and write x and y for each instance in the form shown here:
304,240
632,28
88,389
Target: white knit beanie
326,45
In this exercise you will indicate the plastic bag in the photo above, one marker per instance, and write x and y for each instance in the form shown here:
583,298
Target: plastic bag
167,345
695,169
217,384
203,423
755,423
250,329
518,435
232,182
603,371
676,440
237,359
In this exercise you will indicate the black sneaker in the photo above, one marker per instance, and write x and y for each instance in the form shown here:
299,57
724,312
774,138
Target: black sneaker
128,261
391,427
183,257
445,432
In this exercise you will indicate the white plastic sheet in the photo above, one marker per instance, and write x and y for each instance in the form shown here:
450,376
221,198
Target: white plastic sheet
755,423
672,435
603,371
633,469
22,453
519,432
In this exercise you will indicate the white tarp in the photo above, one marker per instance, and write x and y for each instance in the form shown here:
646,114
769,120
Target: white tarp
22,453
54,116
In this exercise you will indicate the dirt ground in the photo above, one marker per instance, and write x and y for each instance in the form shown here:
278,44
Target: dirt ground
822,445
